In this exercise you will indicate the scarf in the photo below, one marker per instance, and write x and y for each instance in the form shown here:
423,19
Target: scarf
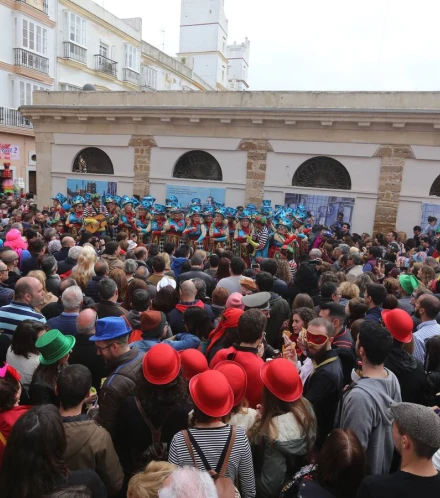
228,321
182,307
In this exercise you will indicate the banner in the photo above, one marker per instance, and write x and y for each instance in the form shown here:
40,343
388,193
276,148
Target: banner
185,193
427,211
75,186
324,209
9,152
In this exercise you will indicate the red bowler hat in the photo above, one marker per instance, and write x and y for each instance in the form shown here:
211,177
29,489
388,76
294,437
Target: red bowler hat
193,362
282,379
236,376
212,393
161,364
399,324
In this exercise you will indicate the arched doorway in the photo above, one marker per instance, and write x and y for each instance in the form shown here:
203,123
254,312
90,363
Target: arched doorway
435,187
322,172
198,165
93,160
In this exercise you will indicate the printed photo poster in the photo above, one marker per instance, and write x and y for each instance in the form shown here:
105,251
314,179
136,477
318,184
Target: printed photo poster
76,186
185,193
427,211
323,208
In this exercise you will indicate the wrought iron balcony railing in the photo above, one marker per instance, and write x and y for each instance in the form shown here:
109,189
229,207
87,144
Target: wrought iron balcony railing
105,65
30,60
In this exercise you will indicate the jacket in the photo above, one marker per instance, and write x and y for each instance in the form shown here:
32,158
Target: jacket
354,272
62,254
66,265
84,353
434,387
89,446
109,308
279,312
42,393
6,294
280,457
175,316
180,343
53,284
92,289
410,373
198,273
30,264
65,323
306,281
113,261
120,383
134,318
176,265
365,409
7,421
374,314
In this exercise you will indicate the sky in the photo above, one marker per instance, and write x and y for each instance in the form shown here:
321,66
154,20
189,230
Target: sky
317,45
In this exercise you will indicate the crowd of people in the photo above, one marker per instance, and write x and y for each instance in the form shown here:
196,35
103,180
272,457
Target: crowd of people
147,351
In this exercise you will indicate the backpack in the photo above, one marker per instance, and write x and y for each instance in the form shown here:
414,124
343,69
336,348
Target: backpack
224,485
158,450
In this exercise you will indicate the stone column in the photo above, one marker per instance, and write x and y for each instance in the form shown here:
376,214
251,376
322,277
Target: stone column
43,149
256,168
142,161
390,183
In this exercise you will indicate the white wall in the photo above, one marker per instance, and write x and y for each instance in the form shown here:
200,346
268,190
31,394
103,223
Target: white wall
7,26
6,97
418,177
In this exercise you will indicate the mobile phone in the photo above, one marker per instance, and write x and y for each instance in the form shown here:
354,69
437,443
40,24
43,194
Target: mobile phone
255,266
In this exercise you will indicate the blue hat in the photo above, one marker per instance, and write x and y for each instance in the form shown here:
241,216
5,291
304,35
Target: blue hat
208,210
66,206
117,199
245,214
266,211
284,222
148,198
251,207
327,233
110,328
78,199
195,210
221,211
231,212
177,208
266,203
135,202
172,199
145,205
159,209
60,198
126,200
196,202
88,196
219,204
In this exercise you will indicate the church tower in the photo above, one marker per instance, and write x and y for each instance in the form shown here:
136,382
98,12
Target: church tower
204,40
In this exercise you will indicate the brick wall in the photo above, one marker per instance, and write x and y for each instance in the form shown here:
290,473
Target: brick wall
142,160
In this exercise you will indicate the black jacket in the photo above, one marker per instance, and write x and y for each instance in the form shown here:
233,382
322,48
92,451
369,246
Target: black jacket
62,254
306,281
434,387
198,273
66,265
42,393
84,353
13,276
411,376
30,264
109,308
92,289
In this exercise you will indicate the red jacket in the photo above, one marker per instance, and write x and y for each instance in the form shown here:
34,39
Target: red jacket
7,421
252,364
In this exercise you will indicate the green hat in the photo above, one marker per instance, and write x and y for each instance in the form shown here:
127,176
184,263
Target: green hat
408,283
53,345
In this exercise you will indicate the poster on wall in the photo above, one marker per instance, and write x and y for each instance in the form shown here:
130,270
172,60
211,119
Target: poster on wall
428,210
185,193
9,152
323,208
76,186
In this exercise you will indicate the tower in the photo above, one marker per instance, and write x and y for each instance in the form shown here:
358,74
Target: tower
204,39
238,65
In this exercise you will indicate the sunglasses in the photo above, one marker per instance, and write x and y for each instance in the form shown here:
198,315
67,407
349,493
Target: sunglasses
316,339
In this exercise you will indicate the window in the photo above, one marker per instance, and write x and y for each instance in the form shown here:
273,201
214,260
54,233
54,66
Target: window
34,37
65,87
103,49
435,187
75,28
198,165
26,90
93,160
322,172
132,58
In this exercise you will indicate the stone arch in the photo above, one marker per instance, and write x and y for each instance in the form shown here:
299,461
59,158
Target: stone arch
93,160
322,172
435,187
198,165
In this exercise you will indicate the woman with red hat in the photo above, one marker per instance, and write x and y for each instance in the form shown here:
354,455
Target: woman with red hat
203,446
286,429
226,332
148,420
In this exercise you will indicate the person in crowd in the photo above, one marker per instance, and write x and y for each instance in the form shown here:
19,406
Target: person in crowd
279,286
187,292
373,253
89,446
101,271
284,273
123,365
416,436
432,367
55,309
347,291
22,353
198,324
111,255
354,268
181,257
118,276
33,465
140,302
248,352
109,305
427,308
408,284
364,406
355,310
374,296
84,352
213,265
232,283
85,267
130,267
226,332
72,299
286,428
6,292
328,293
29,294
156,412
66,244
150,481
188,482
49,265
218,302
201,447
306,278
133,286
66,266
165,300
303,301
158,265
37,248
11,259
193,362
48,296
197,271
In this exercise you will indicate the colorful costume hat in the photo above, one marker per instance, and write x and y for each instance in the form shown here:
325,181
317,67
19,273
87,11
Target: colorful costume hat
60,198
78,199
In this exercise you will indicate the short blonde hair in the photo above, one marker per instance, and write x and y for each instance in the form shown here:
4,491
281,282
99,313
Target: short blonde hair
349,290
148,483
40,276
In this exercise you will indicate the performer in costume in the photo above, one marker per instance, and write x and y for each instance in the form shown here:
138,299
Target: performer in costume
112,204
231,213
175,226
157,226
282,237
143,218
195,231
260,238
127,215
95,216
58,212
208,218
75,219
244,230
218,231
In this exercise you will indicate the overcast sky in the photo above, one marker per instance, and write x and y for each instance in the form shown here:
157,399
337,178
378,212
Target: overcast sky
317,44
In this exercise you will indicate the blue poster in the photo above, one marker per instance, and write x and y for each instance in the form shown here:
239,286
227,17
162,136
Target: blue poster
76,186
430,210
185,193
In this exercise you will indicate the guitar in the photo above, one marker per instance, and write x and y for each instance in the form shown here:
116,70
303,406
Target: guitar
92,225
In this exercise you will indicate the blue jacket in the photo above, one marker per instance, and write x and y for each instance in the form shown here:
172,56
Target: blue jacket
374,314
65,323
182,341
176,265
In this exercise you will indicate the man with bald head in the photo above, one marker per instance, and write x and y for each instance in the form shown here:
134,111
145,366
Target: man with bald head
66,244
427,308
84,352
6,292
10,259
187,294
29,293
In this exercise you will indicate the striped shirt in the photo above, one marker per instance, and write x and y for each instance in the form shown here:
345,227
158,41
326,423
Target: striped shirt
12,314
212,442
424,331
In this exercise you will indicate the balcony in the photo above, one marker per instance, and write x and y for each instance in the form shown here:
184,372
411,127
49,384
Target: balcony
30,60
41,5
105,65
75,52
149,78
12,117
131,76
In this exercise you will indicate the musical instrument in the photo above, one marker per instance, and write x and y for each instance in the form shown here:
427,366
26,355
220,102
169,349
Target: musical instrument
92,225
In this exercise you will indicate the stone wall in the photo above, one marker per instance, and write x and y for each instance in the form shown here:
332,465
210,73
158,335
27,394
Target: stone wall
142,162
256,168
390,184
